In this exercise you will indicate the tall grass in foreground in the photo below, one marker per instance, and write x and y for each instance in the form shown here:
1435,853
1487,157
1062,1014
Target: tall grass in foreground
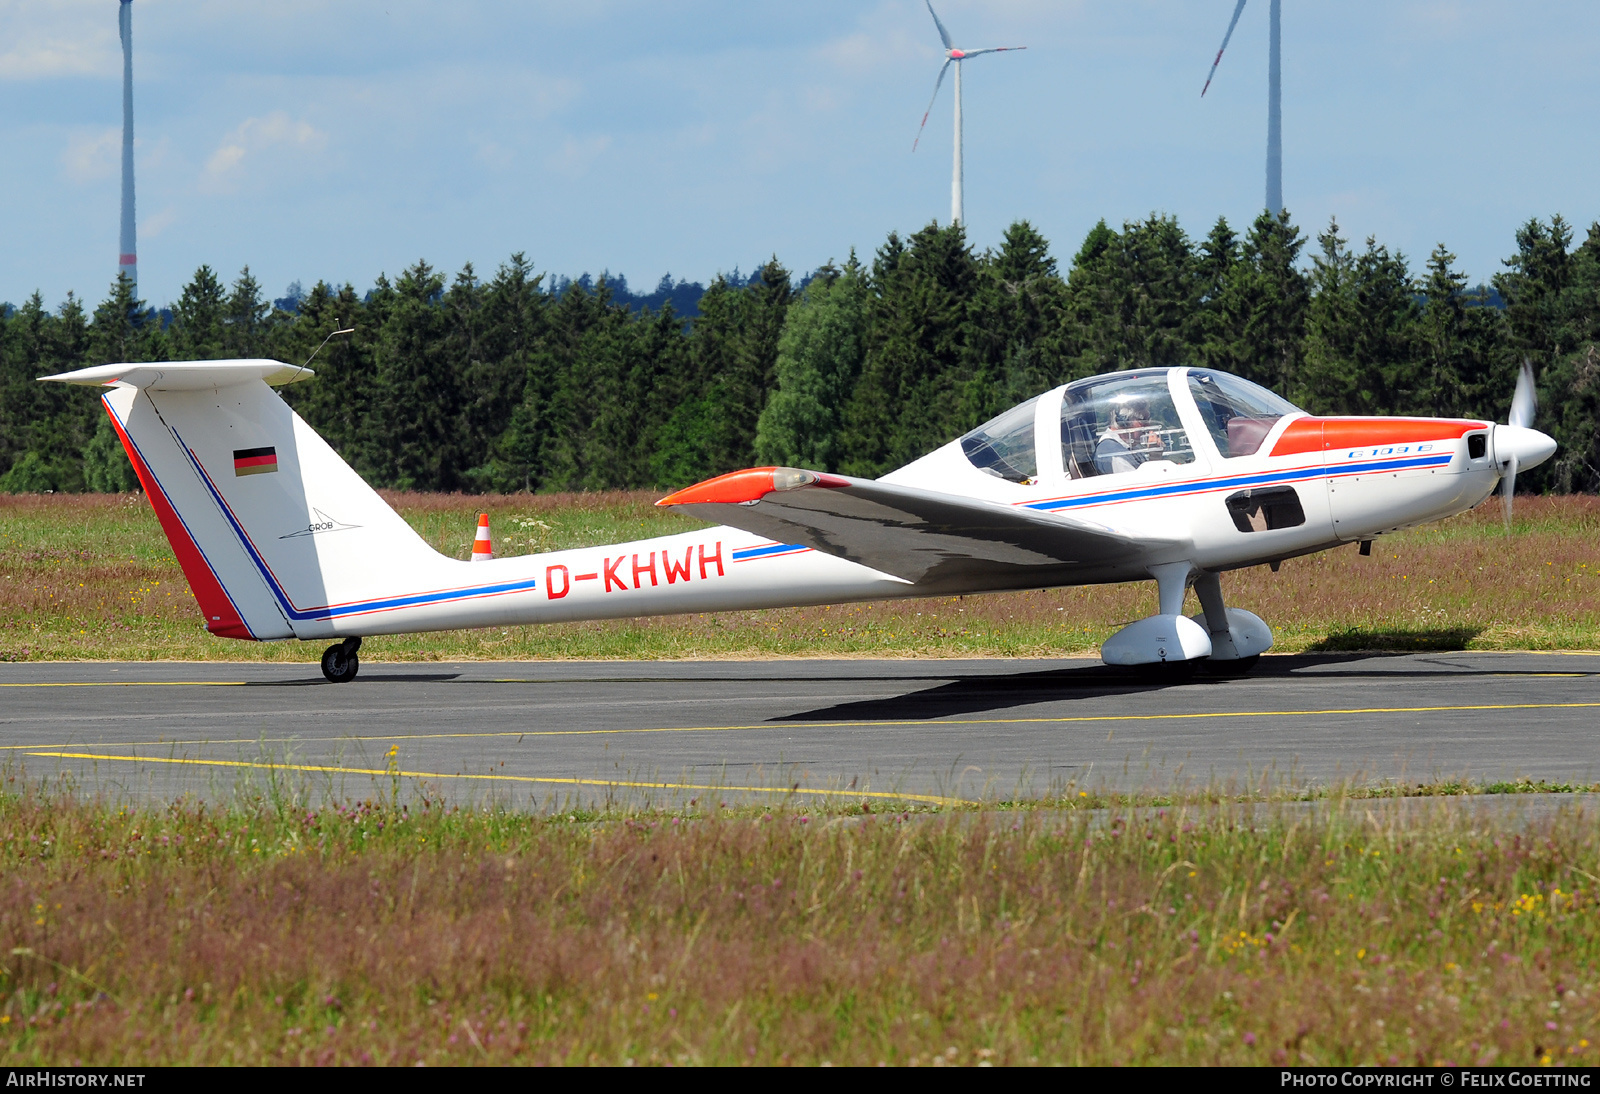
90,576
273,932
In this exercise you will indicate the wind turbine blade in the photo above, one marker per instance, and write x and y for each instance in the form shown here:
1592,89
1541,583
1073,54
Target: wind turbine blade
992,49
1231,24
944,35
928,111
1525,403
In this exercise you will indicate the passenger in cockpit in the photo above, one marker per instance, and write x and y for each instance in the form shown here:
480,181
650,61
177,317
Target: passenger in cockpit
1130,438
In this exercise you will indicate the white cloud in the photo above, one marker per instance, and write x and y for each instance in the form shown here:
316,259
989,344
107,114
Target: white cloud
271,135
152,226
92,155
60,38
868,52
577,154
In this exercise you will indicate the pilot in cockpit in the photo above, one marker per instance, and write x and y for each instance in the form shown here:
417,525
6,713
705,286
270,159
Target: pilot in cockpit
1132,436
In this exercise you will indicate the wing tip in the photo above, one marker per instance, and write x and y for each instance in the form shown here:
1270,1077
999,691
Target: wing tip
749,486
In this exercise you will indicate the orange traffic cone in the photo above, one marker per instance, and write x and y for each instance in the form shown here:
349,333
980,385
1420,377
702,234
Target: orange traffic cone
482,549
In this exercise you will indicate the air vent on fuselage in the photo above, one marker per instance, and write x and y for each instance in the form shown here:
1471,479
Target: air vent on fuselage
1477,445
1266,509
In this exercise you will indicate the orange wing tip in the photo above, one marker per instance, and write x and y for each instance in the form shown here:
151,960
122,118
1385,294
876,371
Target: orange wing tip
750,486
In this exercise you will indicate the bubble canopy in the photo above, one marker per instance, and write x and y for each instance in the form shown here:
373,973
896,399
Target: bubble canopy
1118,422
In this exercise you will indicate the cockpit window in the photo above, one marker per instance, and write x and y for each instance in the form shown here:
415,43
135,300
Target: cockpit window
1117,423
1237,413
1003,446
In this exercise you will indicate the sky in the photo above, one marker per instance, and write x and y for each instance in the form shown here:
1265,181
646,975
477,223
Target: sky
337,141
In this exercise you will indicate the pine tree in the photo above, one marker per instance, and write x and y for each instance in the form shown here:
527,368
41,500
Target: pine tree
920,357
1017,341
1556,316
245,316
200,329
1214,333
339,402
1267,299
819,359
512,375
414,415
1133,297
1361,324
1461,341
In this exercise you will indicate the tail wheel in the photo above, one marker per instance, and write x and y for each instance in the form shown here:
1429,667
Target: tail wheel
340,663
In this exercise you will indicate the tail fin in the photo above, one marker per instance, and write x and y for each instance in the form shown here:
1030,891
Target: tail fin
278,537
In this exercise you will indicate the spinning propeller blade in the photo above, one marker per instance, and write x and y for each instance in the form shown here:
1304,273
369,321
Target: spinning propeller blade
1524,405
1231,24
1508,488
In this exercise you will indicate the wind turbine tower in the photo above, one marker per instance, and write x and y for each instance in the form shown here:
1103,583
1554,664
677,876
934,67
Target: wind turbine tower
128,260
1274,98
953,56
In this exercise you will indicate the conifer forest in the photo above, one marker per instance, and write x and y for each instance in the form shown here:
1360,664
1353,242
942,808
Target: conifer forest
522,382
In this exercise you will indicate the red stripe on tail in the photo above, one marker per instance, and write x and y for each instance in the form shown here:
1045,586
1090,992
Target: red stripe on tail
221,617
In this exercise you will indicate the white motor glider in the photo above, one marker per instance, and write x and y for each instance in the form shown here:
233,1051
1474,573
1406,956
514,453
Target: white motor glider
1175,474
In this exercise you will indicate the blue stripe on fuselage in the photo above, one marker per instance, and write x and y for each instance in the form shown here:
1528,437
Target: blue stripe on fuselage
1204,486
335,611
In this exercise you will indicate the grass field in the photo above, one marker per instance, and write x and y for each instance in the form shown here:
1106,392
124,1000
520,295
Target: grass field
91,577
272,930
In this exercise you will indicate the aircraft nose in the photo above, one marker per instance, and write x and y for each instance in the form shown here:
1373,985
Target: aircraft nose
1529,446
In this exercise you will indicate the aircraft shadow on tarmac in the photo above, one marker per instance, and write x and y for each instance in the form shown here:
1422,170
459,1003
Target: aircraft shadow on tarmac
386,678
987,693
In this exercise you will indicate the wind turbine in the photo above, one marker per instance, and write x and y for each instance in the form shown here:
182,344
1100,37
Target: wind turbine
953,56
1274,100
128,258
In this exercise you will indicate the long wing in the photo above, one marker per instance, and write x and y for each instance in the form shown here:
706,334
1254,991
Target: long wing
936,85
944,35
1231,24
943,541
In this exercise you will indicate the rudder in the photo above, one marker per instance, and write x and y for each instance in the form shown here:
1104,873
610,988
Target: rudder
278,536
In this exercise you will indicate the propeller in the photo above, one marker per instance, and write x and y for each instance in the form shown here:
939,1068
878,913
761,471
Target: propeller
1237,11
1524,405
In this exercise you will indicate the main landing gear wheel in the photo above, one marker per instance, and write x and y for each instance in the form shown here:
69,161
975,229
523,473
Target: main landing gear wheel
340,663
1238,666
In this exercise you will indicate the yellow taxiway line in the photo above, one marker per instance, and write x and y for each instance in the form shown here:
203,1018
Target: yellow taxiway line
129,684
930,799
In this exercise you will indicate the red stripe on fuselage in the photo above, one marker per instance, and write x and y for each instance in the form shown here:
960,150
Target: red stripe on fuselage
221,617
1326,434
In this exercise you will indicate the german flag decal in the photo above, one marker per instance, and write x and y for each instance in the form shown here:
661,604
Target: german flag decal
255,461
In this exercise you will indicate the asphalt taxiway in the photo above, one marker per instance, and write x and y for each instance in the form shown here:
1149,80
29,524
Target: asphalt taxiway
551,734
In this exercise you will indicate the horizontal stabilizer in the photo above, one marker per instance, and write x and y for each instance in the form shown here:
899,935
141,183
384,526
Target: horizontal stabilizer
184,375
924,536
